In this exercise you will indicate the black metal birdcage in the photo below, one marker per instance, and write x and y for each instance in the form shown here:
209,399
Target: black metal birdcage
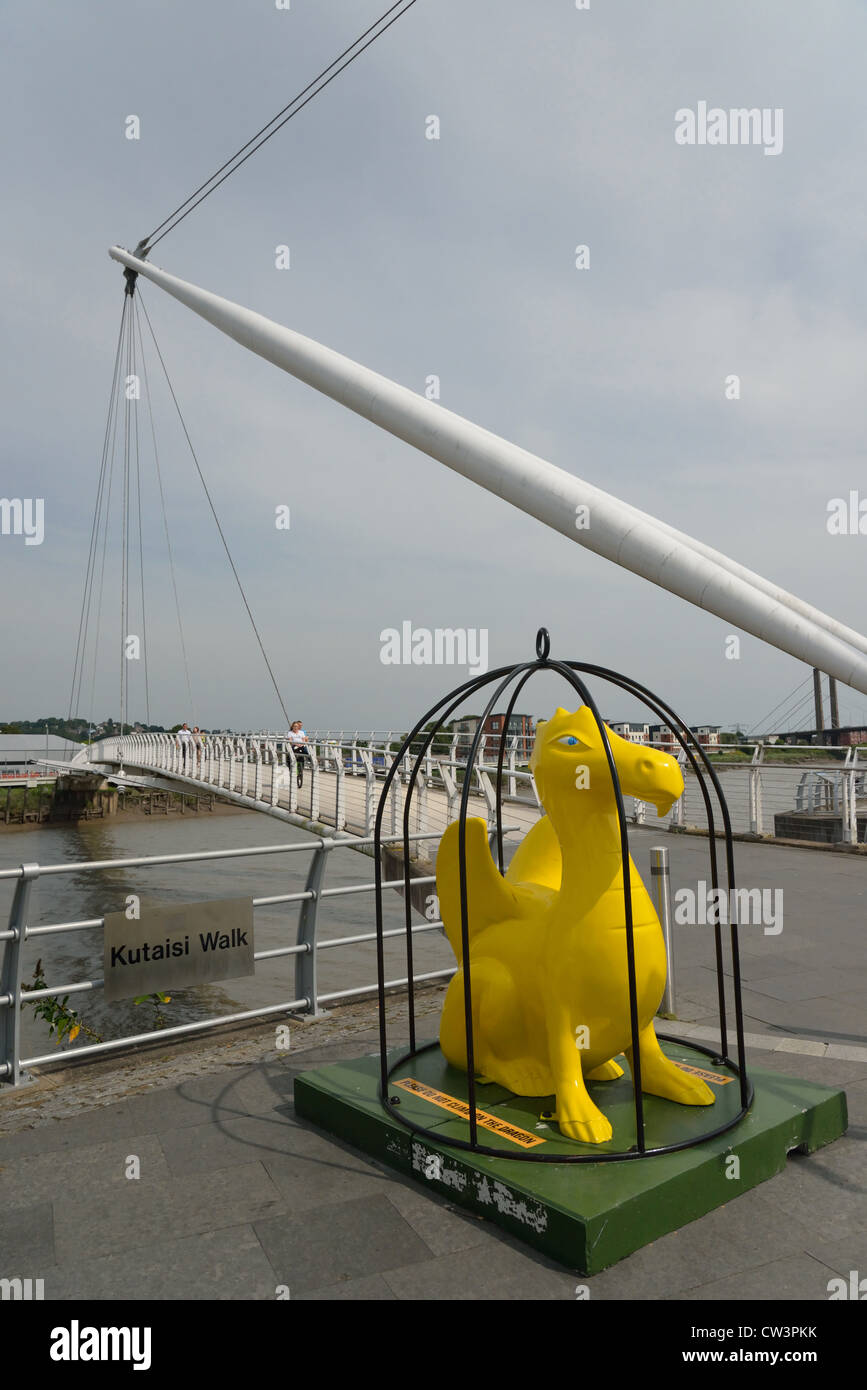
415,749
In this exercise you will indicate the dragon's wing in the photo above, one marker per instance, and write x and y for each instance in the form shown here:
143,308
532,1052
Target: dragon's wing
489,897
538,858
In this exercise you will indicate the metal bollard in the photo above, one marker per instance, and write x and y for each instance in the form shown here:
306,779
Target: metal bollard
660,878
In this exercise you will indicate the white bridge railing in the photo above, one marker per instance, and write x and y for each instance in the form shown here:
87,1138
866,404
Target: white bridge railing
332,781
342,773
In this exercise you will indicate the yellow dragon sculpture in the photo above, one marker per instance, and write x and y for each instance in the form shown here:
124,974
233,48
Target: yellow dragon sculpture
548,942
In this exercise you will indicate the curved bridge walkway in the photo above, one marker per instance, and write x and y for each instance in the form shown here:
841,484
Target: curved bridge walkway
342,783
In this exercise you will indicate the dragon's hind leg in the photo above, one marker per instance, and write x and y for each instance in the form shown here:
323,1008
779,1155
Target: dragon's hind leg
500,1049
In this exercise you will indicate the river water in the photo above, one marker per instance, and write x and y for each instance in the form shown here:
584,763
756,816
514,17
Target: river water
80,895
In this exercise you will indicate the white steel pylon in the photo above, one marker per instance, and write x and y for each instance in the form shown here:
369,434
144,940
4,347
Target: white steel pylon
621,533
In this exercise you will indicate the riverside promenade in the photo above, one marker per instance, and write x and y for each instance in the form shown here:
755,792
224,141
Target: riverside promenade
237,1198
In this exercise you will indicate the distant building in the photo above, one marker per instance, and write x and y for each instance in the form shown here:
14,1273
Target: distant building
661,737
521,726
20,753
463,730
633,733
849,736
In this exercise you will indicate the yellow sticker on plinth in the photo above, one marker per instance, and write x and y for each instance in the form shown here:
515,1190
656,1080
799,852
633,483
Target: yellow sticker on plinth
459,1107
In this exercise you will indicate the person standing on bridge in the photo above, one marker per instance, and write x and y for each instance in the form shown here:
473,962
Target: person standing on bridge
298,739
185,744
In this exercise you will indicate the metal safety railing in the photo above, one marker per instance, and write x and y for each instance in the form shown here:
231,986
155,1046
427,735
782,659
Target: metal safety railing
308,1000
306,948
771,788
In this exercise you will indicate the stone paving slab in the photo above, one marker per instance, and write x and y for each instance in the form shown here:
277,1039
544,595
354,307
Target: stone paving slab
823,1016
370,1289
342,1240
227,1264
826,1191
148,1210
841,1255
759,967
78,1173
490,1271
445,1229
312,1171
234,1140
856,1095
796,1278
26,1237
793,985
69,1134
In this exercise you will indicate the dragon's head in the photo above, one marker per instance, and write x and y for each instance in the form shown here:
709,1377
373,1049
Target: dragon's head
569,762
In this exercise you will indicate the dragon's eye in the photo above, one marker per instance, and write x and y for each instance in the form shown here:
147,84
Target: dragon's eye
568,739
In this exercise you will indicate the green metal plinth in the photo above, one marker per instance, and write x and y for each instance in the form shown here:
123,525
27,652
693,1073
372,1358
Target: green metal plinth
585,1215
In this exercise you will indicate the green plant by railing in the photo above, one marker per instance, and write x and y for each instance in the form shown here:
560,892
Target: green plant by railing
155,1000
62,1021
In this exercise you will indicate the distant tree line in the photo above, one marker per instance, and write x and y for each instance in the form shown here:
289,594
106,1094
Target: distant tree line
76,729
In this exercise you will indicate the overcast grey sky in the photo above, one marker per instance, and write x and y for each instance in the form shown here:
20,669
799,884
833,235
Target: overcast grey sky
453,257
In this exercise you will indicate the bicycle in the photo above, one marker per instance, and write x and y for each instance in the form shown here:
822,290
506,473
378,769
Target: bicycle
301,756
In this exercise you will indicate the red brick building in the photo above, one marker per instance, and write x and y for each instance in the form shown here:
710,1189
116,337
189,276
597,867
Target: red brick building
520,726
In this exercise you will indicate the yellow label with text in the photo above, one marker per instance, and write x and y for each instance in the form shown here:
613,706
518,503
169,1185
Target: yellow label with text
459,1107
714,1077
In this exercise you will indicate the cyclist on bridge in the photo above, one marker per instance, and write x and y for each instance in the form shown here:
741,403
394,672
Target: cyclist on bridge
298,738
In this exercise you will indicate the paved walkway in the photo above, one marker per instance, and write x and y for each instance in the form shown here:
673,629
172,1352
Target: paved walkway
237,1197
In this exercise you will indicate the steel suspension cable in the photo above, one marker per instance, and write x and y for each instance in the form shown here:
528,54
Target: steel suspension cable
790,712
239,158
105,523
144,624
214,513
86,598
805,709
192,703
785,700
124,582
